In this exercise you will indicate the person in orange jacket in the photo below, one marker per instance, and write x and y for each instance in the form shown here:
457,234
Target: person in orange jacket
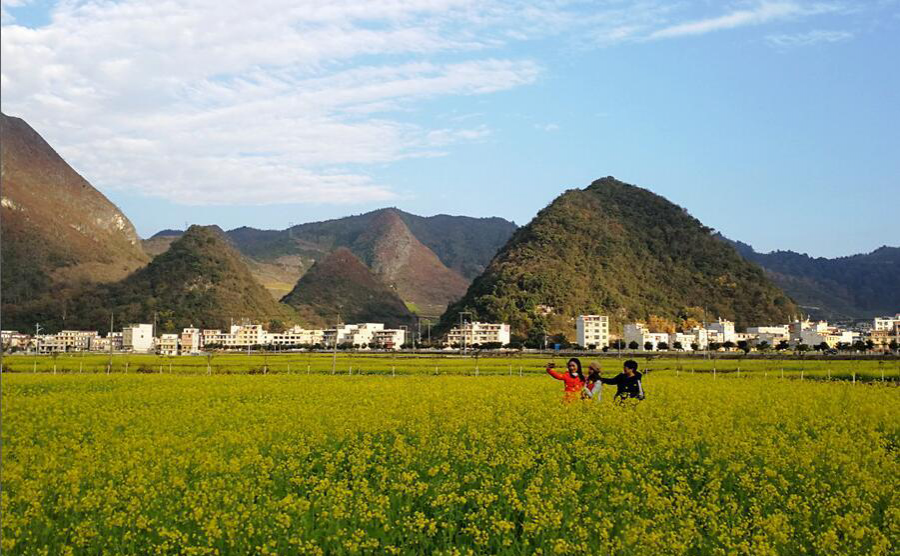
573,378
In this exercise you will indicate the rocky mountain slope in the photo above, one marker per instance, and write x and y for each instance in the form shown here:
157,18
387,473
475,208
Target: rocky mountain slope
617,249
462,243
407,266
58,232
341,286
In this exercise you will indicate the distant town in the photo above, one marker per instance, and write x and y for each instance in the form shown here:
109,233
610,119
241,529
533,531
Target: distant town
882,334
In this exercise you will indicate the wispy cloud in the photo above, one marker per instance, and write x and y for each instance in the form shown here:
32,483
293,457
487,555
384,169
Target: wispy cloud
547,127
761,12
276,101
808,39
208,102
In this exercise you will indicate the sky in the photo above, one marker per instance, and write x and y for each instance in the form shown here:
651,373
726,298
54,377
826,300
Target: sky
774,122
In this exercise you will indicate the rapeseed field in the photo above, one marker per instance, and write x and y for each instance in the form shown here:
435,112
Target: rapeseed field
284,464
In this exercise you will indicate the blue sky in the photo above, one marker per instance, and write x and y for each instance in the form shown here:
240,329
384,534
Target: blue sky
771,121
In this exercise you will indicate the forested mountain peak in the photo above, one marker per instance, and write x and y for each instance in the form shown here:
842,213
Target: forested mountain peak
617,249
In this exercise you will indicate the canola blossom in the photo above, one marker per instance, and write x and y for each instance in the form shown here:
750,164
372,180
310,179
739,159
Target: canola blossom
285,464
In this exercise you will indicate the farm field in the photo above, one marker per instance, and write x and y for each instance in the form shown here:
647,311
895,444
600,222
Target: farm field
418,464
887,368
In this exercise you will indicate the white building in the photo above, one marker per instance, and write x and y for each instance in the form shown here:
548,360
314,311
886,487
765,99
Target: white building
103,344
832,337
389,338
167,344
639,333
685,339
214,336
191,340
246,335
592,330
14,339
478,333
723,329
297,336
886,323
138,338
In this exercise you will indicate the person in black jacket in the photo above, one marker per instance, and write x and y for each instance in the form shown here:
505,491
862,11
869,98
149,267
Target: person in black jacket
628,382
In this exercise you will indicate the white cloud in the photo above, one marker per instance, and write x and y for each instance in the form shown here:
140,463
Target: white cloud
808,39
759,13
233,102
547,127
274,101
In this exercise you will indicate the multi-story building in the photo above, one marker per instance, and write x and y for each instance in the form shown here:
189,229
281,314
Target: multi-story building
13,339
167,344
191,340
78,340
479,333
297,336
886,323
213,336
592,330
831,336
358,335
103,344
389,338
685,340
724,330
245,335
138,338
639,333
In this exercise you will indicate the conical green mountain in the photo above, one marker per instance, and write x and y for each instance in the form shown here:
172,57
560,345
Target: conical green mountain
618,250
341,286
201,280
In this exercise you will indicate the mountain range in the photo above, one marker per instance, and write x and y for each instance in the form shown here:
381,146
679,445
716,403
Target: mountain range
844,288
428,261
70,259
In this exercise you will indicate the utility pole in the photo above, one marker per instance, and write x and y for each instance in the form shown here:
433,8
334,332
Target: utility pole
462,334
37,337
334,345
111,321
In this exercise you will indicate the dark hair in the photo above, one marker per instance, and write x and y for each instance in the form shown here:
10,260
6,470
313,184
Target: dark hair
631,364
578,364
594,375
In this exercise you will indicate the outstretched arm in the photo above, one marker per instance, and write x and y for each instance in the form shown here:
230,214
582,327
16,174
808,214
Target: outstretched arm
613,380
556,375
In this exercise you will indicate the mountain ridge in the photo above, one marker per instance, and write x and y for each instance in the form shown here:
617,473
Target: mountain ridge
59,232
864,285
617,249
341,285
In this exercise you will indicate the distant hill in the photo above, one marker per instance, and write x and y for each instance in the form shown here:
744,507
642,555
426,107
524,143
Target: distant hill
854,287
619,250
462,243
410,268
201,280
429,260
59,233
341,285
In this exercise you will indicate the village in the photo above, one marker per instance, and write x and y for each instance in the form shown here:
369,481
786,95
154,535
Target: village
592,333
